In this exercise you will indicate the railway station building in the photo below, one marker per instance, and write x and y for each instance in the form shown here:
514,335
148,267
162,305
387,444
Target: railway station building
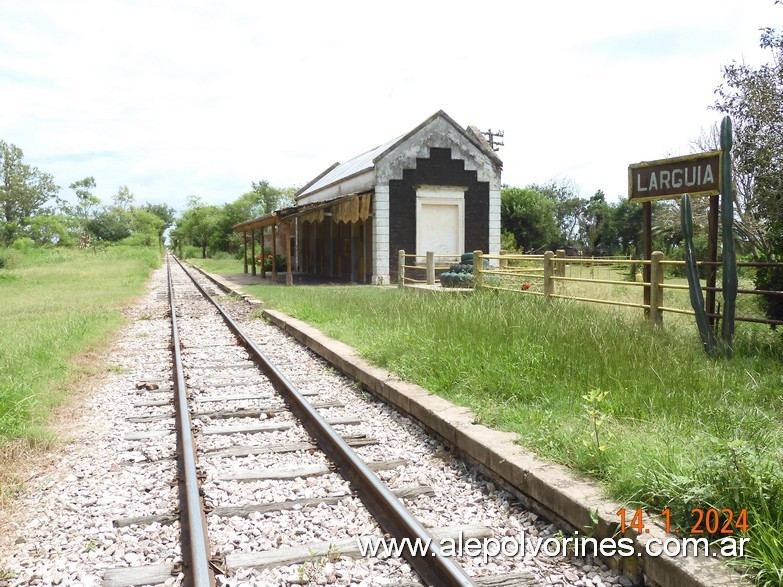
435,188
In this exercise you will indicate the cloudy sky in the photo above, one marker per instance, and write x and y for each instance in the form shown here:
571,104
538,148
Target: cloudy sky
200,97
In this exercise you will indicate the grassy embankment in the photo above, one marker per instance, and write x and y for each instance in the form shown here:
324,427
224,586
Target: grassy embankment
674,429
56,304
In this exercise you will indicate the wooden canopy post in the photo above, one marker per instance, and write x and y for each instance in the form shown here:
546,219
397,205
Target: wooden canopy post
263,241
253,251
289,277
244,241
274,254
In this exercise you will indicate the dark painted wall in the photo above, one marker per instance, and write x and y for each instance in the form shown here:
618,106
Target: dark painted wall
439,169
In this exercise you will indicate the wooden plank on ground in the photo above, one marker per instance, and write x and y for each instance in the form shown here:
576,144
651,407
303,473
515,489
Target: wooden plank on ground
130,576
152,403
223,384
162,519
345,421
145,434
266,427
277,473
247,428
157,392
218,366
278,506
149,419
352,440
520,579
245,510
243,396
258,412
233,398
346,547
300,471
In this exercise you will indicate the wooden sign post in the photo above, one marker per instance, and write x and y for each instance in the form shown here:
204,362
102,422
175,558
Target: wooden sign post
665,179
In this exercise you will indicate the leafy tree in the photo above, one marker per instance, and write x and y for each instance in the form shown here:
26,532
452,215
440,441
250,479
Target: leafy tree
753,97
109,225
24,190
166,214
47,229
529,216
265,198
569,209
123,199
596,216
86,202
262,199
199,223
146,225
163,211
624,229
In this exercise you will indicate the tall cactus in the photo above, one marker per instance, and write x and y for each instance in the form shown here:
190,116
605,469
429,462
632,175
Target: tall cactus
694,286
729,261
729,256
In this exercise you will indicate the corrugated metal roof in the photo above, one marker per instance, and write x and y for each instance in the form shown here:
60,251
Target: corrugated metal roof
358,164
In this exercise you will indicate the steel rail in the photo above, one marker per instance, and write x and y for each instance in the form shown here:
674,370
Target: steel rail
193,523
433,566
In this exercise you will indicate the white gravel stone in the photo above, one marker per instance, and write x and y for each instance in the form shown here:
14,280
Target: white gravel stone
63,532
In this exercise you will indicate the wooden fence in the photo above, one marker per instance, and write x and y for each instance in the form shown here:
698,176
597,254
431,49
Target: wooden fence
412,272
546,275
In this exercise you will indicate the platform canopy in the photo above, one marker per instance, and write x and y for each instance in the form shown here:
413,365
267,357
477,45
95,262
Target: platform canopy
350,208
270,219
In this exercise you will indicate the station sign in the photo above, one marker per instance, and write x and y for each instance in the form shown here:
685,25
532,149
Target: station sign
695,175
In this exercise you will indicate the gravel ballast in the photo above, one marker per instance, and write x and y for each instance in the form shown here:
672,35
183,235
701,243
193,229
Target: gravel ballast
63,531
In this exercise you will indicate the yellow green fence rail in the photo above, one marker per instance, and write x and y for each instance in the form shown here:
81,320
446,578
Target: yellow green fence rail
413,269
616,281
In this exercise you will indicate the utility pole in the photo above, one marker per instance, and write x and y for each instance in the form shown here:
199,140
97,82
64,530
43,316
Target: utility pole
492,138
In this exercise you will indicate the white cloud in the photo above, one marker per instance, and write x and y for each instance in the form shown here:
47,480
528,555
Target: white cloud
174,98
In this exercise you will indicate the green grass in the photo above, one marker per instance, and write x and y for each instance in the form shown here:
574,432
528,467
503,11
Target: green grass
57,304
221,265
673,429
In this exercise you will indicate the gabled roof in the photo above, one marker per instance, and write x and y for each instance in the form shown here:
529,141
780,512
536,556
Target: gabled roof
340,171
366,161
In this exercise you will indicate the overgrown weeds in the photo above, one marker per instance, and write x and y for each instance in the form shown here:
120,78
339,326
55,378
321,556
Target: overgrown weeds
60,303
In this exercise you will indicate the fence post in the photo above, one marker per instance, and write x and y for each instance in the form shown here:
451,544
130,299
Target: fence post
430,268
401,268
478,275
560,265
503,262
549,267
656,291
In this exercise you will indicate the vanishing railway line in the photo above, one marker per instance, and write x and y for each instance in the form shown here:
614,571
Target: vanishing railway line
285,469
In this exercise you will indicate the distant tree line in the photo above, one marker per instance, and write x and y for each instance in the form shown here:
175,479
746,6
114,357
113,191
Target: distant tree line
553,216
207,229
34,213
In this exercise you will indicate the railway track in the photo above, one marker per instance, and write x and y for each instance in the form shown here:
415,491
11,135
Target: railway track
285,471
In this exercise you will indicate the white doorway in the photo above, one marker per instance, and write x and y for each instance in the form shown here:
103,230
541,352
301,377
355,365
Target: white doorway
440,220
